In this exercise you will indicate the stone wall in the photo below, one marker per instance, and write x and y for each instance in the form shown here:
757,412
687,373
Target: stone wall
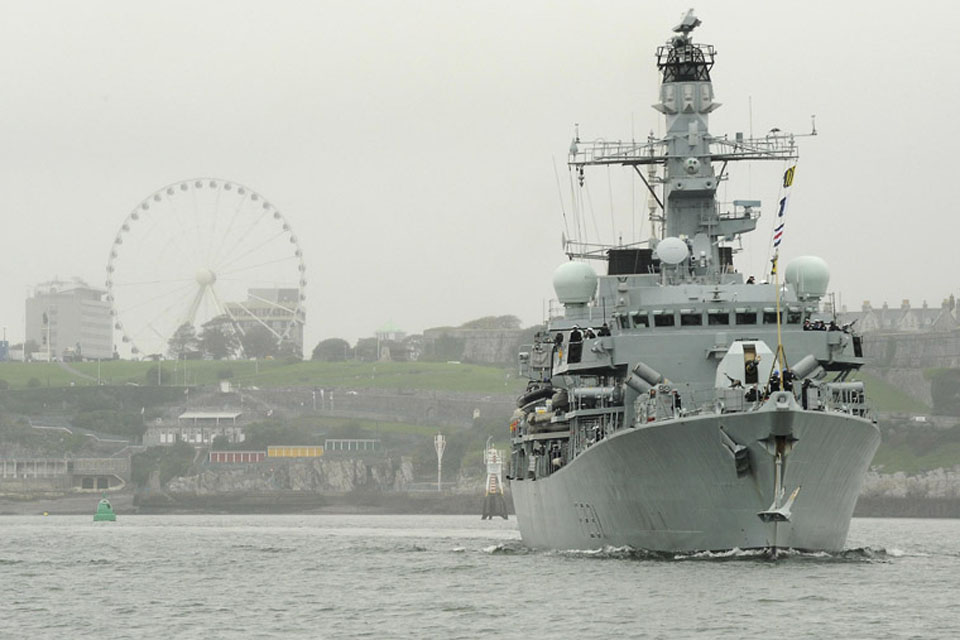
317,475
925,350
901,358
485,346
910,381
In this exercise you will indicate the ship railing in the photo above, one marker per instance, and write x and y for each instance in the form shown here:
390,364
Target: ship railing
844,397
593,316
661,403
773,146
599,152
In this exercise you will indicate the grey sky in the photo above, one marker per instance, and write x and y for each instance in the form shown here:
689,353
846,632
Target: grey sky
412,145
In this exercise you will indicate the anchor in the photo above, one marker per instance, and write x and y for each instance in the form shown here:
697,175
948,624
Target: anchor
778,512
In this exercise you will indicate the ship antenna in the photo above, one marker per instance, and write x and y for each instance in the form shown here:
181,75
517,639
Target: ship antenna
563,211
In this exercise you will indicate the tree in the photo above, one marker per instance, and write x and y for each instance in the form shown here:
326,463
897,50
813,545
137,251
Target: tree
290,351
331,350
184,342
218,338
367,349
259,342
29,348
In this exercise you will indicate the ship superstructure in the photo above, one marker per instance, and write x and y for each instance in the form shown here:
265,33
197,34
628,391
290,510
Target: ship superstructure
675,405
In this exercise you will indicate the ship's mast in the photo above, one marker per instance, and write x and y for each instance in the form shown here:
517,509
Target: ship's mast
688,154
686,99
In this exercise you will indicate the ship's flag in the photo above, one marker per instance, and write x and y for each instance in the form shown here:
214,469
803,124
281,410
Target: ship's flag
788,176
783,205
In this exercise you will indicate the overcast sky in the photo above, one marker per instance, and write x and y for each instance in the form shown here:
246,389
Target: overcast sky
412,145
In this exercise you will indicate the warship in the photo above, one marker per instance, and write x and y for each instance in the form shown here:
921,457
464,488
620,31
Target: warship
673,404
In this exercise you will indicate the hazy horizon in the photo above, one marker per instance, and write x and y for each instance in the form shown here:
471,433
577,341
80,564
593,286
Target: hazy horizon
412,146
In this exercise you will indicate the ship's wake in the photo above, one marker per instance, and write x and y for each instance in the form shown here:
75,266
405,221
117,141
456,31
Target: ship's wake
860,554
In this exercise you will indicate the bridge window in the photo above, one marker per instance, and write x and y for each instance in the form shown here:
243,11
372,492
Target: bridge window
640,319
690,318
746,316
718,317
663,319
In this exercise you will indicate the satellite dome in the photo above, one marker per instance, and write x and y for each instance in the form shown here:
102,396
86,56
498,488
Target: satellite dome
575,283
672,250
809,276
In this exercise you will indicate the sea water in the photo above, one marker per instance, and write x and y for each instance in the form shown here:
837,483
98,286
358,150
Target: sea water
353,576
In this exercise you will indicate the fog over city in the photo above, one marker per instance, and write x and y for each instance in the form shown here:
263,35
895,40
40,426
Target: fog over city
412,146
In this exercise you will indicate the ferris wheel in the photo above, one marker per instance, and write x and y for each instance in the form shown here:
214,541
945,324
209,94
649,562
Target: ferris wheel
199,249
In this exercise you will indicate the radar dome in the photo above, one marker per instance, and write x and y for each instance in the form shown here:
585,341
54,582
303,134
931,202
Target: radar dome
672,250
574,282
809,276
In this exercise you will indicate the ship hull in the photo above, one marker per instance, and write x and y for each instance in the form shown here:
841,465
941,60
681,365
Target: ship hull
673,486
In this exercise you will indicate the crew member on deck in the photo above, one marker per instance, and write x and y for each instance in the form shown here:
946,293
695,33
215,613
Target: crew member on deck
576,345
774,381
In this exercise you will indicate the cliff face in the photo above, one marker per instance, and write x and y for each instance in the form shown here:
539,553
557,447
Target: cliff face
322,475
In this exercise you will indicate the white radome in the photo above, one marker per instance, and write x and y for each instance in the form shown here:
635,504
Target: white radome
575,283
809,275
672,250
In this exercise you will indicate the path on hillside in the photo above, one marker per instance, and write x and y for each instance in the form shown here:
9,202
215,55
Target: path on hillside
72,371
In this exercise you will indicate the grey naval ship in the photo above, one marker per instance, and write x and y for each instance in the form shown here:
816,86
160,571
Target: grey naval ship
674,405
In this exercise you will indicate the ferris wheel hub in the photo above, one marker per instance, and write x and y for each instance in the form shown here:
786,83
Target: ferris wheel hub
205,277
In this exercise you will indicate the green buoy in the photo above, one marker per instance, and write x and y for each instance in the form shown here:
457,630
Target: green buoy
104,512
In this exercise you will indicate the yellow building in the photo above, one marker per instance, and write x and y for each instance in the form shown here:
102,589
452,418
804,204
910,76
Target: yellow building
294,452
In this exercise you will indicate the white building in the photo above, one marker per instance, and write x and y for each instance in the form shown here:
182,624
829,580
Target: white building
196,428
69,319
277,310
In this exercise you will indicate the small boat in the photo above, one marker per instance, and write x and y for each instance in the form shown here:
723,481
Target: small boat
104,512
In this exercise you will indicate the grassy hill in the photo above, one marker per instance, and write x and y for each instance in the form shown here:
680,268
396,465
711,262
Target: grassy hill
886,398
437,376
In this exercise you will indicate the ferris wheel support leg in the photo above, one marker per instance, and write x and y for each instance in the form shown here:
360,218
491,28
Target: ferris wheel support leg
194,305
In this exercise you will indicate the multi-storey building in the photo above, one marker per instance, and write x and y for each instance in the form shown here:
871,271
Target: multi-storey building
69,319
